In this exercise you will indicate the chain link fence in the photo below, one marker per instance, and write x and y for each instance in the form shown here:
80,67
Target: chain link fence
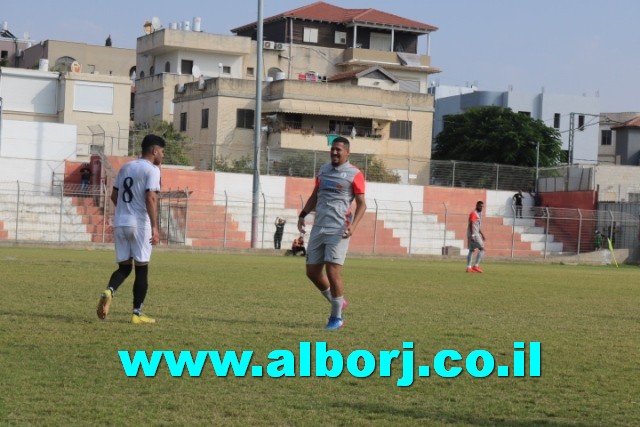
69,214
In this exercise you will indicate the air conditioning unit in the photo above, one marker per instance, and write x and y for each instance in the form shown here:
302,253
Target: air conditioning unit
281,46
268,45
343,40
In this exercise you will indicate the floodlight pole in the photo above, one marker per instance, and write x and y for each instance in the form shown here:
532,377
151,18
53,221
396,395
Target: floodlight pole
537,164
255,204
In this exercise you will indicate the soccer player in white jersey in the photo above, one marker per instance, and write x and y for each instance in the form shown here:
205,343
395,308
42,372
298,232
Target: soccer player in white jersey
135,225
337,184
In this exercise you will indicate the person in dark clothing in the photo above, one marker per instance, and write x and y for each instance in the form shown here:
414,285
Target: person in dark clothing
277,237
298,246
517,201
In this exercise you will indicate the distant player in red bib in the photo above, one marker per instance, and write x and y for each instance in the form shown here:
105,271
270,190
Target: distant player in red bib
338,183
475,238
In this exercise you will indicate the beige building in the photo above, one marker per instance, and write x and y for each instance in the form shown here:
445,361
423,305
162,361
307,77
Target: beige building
64,56
359,76
98,105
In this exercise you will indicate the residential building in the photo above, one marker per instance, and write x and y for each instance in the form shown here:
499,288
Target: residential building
575,117
96,105
327,70
12,47
612,124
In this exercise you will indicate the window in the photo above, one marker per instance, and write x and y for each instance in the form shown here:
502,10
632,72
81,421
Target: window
310,35
556,120
341,37
183,122
400,129
205,118
380,41
226,69
244,118
525,113
142,74
4,54
167,67
152,71
605,138
251,71
186,67
581,122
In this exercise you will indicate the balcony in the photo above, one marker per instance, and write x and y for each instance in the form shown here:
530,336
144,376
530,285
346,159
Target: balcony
166,40
390,60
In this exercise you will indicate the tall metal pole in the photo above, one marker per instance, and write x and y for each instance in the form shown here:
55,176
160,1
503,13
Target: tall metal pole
255,204
537,164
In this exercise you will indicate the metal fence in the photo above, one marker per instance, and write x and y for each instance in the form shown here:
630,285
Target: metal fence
70,214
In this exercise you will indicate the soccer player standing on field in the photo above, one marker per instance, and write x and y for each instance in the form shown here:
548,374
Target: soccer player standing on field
337,184
475,238
135,225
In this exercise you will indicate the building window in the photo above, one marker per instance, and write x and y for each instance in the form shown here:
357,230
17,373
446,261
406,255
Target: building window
605,138
581,122
251,72
556,121
152,71
226,69
341,37
205,118
183,122
4,54
400,129
244,118
167,67
186,66
142,74
525,113
310,35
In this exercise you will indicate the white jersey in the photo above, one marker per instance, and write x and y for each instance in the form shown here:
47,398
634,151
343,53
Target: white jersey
134,180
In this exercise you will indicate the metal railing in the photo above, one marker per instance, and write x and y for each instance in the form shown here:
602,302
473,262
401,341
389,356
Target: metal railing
57,214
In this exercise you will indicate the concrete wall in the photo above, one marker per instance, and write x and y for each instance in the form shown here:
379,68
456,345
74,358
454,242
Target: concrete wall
33,152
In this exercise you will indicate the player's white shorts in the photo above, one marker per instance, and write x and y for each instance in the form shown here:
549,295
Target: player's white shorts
133,242
326,246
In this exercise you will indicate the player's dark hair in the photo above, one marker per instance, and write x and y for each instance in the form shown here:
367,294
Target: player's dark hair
343,140
151,140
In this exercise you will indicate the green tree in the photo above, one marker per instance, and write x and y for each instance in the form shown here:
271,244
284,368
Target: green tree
497,135
375,169
176,150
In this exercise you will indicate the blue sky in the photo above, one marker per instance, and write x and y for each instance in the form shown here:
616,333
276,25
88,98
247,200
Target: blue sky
570,47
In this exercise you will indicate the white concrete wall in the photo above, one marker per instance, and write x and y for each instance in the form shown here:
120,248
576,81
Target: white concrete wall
32,151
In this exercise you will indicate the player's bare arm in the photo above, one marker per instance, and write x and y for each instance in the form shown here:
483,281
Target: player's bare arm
310,206
114,196
151,201
361,208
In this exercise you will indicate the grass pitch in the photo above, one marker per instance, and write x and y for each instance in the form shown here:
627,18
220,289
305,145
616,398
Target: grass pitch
59,363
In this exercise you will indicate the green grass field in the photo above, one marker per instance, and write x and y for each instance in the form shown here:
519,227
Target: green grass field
59,364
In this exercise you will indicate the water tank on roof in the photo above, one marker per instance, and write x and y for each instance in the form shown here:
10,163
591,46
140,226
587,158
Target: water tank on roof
186,26
173,25
43,65
280,75
197,21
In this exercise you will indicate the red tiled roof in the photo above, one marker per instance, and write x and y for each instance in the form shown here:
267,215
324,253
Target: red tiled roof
325,12
633,123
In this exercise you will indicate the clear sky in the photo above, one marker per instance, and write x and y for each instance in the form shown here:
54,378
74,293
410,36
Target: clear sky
569,47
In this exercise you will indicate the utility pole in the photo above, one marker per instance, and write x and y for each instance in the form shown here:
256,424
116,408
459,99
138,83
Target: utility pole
257,128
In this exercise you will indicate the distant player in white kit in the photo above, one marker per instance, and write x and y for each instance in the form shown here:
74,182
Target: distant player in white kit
135,225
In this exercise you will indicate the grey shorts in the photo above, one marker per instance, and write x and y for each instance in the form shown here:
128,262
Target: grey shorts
326,245
133,242
475,244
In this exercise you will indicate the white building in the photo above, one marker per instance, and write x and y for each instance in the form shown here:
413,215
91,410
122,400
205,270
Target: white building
575,117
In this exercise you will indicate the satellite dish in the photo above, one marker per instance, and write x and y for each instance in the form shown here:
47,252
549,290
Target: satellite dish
155,23
195,72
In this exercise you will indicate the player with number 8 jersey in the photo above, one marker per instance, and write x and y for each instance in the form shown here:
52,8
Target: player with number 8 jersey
135,225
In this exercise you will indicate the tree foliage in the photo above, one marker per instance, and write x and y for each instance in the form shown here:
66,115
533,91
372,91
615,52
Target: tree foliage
497,135
176,150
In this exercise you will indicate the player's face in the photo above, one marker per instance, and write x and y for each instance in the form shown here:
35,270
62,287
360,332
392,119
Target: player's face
158,155
339,154
479,207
